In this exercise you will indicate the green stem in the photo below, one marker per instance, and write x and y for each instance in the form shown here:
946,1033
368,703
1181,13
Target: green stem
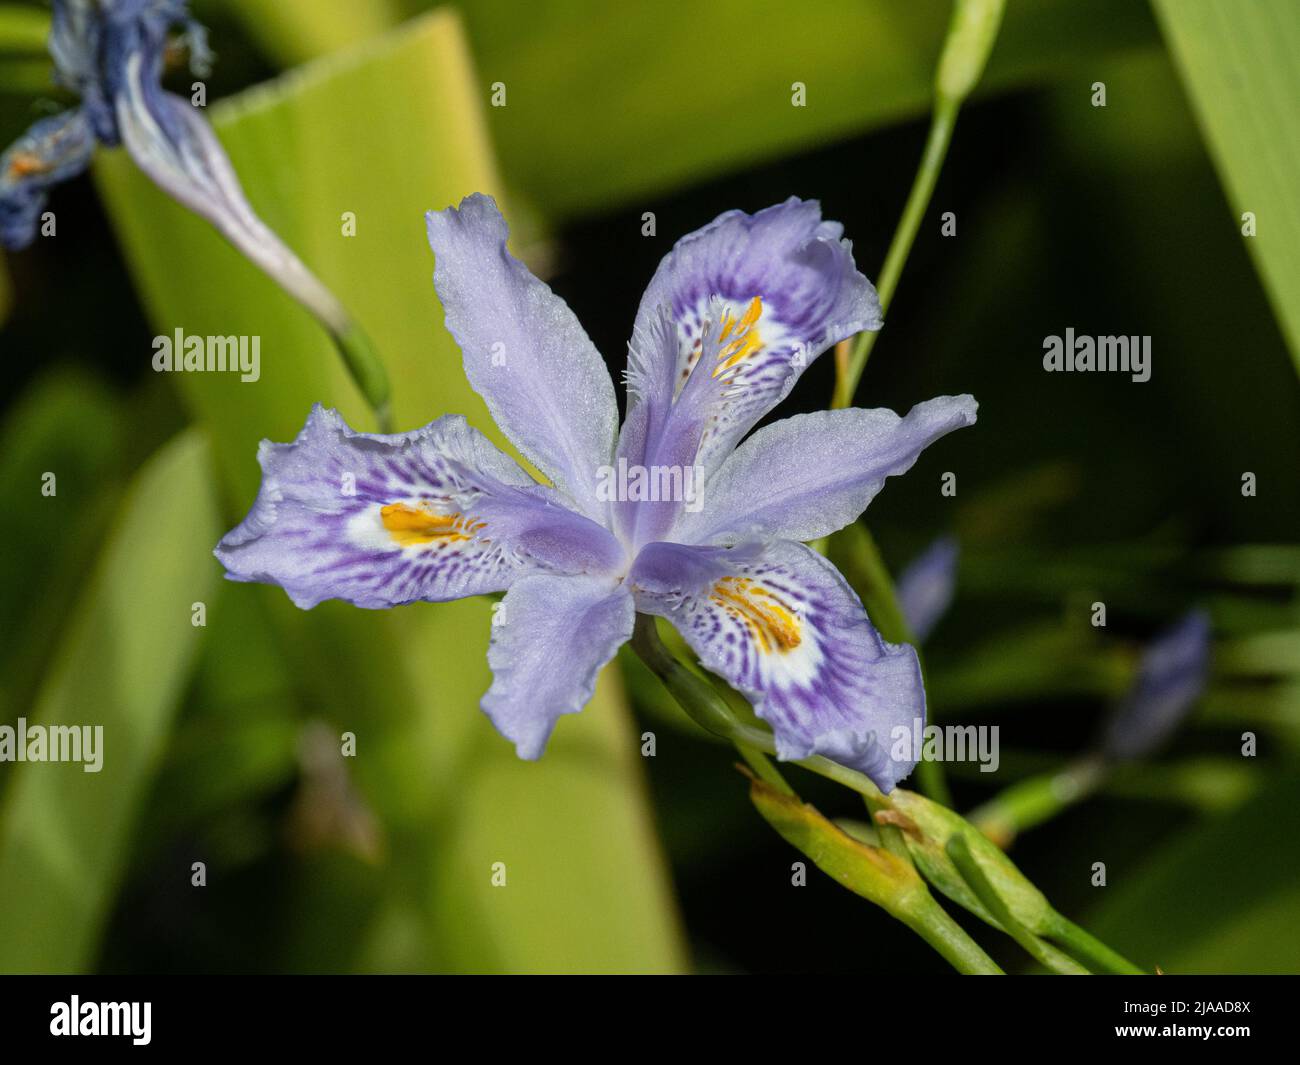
1091,949
960,853
763,768
972,32
919,910
942,123
936,926
367,370
1036,799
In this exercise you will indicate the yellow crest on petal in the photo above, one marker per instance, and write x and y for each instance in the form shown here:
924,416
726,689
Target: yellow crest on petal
422,524
746,340
773,623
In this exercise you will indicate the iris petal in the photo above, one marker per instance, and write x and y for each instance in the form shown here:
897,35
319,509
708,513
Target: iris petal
53,150
776,288
550,639
173,144
377,521
782,627
806,476
525,352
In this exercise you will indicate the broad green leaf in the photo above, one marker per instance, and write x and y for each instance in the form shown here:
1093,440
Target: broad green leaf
121,664
1223,898
59,450
1238,63
237,739
650,96
387,131
297,30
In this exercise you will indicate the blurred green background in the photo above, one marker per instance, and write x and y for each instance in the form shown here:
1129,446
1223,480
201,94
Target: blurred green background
222,740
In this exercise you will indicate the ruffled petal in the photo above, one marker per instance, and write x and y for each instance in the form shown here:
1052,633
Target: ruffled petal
753,300
525,352
781,626
551,637
52,151
435,514
806,476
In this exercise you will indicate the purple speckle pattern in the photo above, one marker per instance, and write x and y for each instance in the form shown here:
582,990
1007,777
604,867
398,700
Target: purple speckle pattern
706,362
813,296
841,692
316,529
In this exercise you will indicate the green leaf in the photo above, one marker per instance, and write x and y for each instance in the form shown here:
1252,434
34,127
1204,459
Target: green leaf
387,131
64,832
1226,895
1238,63
66,426
653,96
298,30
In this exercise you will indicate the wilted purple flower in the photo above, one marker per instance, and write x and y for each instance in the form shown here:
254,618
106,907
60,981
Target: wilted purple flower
925,588
111,53
1170,678
731,318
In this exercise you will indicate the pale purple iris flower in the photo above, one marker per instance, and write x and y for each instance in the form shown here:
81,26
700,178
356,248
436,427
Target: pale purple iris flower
730,320
112,54
1171,676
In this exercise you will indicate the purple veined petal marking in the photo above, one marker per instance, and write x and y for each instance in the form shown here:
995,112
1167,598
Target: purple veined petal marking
781,626
764,612
1171,676
378,521
925,587
785,281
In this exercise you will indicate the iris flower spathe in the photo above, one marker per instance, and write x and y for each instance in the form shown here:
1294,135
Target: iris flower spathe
731,318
